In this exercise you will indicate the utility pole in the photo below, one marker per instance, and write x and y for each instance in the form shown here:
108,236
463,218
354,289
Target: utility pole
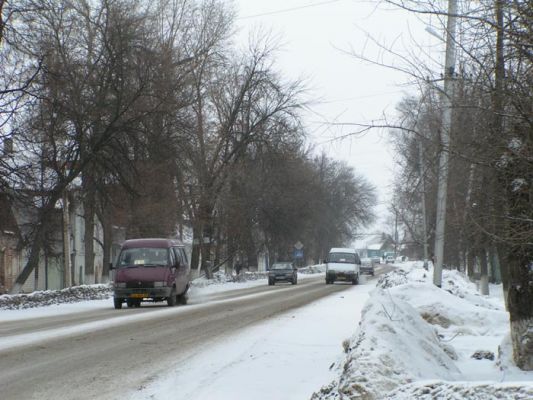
395,233
447,98
423,199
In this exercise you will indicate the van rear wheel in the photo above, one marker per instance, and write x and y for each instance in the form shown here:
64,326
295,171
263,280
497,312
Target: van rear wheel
182,299
117,303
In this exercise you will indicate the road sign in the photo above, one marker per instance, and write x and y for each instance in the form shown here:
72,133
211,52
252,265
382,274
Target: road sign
298,245
298,253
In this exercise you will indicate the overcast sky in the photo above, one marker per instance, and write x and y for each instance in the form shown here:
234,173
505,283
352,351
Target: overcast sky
315,35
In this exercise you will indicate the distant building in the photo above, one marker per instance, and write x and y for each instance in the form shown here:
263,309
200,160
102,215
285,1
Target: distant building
378,245
16,223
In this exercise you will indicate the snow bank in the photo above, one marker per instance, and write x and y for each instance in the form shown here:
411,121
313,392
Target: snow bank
313,269
223,278
393,346
104,291
461,390
51,297
419,341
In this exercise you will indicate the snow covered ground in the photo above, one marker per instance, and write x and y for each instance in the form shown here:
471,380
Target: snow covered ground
403,339
287,357
418,341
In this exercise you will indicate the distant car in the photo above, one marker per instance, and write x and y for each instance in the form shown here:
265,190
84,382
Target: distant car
367,266
282,272
376,260
389,260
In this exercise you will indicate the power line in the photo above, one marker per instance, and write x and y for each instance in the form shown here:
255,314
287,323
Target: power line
289,9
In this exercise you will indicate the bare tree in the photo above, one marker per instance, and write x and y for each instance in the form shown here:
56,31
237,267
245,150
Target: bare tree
87,95
489,220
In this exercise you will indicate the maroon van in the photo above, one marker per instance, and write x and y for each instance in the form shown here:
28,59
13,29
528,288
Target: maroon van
151,269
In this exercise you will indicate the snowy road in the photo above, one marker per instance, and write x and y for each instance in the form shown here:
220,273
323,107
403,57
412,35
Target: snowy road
104,353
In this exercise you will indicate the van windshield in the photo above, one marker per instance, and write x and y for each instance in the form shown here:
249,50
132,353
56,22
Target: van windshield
348,258
143,257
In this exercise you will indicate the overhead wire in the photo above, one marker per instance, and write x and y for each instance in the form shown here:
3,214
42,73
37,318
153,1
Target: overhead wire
285,10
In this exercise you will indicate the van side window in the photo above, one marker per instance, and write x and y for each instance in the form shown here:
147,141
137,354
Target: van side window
183,255
176,252
172,258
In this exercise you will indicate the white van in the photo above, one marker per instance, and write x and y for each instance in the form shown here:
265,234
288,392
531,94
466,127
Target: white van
343,264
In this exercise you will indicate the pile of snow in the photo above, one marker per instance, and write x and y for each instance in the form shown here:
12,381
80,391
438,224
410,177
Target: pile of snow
222,278
50,297
418,341
461,390
313,269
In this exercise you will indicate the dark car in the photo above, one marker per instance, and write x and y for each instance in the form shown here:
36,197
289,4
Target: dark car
367,266
151,269
283,272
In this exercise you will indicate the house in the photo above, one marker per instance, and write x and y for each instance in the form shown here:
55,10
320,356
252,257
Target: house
378,245
9,245
17,221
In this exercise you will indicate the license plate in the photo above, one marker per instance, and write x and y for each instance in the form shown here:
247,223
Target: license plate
138,295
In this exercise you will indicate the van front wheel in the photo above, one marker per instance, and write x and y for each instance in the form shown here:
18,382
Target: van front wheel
171,300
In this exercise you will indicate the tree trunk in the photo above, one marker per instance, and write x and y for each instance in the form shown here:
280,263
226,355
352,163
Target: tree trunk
108,242
206,233
37,243
470,263
495,267
484,278
196,243
67,273
520,304
88,236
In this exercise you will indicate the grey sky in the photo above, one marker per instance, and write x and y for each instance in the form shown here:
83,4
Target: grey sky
314,34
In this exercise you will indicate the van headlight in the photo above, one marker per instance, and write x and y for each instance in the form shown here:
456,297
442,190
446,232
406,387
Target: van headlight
120,284
159,284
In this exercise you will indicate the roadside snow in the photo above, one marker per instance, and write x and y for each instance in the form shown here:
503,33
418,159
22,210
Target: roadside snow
53,297
418,341
285,357
80,298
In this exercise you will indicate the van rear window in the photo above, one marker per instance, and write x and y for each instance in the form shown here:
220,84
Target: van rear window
348,258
